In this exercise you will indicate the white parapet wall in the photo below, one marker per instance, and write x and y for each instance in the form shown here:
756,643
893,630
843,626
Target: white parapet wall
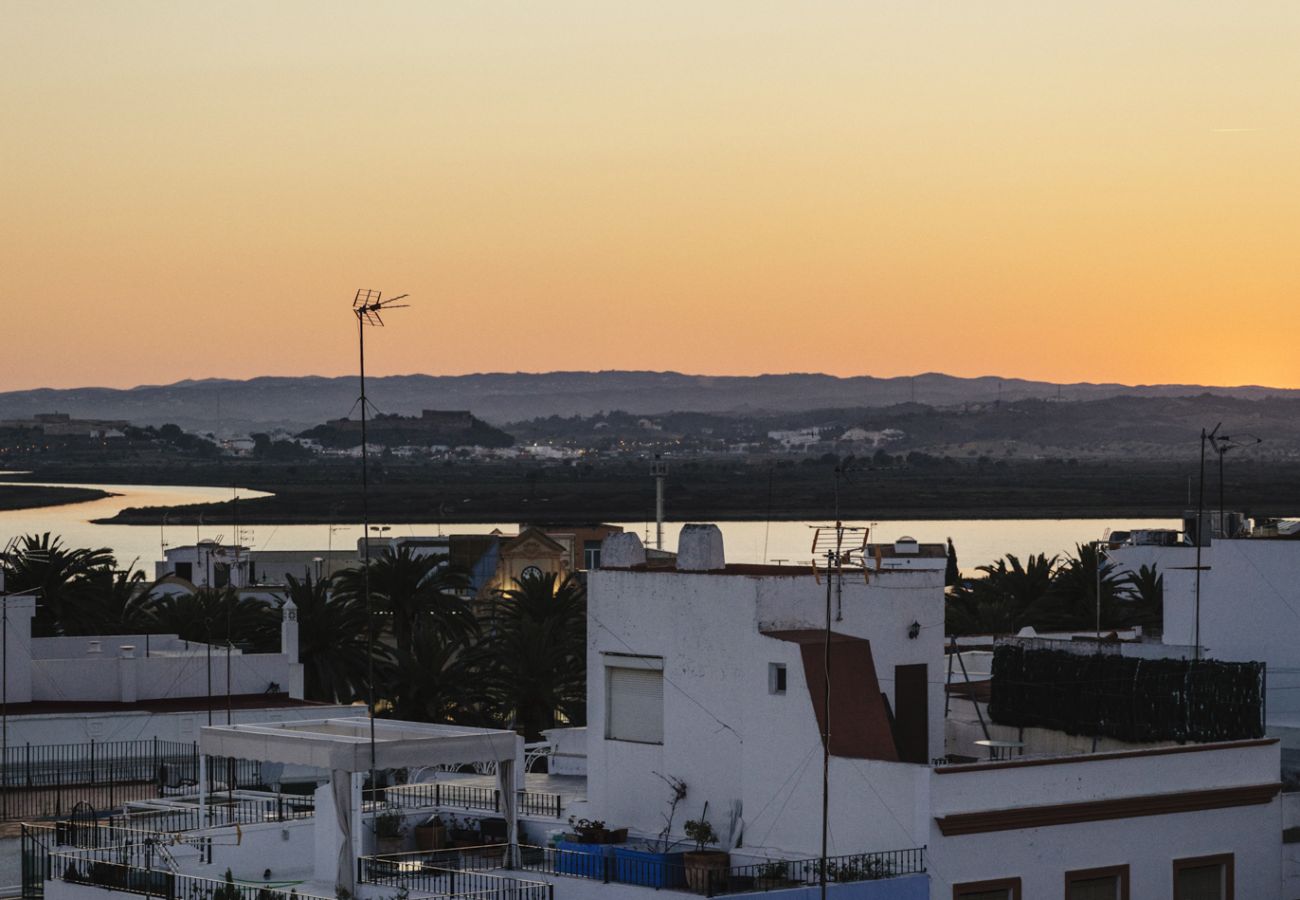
1038,819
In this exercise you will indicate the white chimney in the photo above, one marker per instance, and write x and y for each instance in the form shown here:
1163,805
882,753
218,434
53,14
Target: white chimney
622,550
699,549
907,546
126,674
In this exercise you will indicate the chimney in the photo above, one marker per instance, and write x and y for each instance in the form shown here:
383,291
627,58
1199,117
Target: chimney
699,549
126,674
621,550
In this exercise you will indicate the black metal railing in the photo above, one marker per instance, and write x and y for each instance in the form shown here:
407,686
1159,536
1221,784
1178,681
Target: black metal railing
420,875
41,781
779,874
464,796
38,842
608,863
88,869
622,864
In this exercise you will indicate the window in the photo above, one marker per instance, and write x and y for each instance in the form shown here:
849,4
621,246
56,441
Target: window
1110,883
1204,878
634,702
1002,889
591,555
185,570
776,678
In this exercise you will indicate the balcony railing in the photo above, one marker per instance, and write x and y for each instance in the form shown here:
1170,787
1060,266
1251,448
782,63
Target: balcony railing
85,868
616,864
464,796
418,872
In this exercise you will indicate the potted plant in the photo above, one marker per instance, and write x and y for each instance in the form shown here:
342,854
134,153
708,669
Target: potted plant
390,832
431,834
654,863
705,868
465,832
772,874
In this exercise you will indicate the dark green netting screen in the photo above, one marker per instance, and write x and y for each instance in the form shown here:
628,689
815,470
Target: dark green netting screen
1135,700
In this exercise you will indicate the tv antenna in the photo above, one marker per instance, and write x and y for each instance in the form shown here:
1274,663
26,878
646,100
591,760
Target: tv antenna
368,306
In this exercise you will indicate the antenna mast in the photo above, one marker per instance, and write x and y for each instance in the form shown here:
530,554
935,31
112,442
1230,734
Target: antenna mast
367,306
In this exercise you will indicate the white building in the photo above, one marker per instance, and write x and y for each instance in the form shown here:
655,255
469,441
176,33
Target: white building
212,564
707,684
67,690
711,674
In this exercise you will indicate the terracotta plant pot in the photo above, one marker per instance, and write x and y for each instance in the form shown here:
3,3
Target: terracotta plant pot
430,837
705,866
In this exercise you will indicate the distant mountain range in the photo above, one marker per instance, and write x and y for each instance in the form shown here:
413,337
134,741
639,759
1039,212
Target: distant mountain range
230,407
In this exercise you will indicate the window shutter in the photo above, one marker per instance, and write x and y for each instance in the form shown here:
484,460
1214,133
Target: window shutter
635,705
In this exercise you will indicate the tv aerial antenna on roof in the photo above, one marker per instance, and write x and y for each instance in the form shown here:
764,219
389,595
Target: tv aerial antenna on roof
368,306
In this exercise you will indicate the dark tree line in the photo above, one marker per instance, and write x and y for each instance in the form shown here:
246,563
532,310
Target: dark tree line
1048,593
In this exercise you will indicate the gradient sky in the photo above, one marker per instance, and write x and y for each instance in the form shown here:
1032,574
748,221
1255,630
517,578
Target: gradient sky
1067,191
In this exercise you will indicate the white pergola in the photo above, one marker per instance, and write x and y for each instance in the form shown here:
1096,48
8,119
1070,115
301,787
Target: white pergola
342,747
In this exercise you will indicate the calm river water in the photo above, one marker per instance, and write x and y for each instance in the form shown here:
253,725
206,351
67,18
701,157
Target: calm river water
978,541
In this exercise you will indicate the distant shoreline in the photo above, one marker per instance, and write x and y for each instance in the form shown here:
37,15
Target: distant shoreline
18,497
706,490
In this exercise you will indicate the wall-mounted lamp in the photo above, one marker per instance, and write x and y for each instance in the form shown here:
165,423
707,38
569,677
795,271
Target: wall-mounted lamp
914,630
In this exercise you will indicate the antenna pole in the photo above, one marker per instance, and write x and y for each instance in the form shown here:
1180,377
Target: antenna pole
826,728
365,551
1200,540
230,604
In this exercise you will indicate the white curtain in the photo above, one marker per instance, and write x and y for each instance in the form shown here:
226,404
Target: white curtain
510,806
341,787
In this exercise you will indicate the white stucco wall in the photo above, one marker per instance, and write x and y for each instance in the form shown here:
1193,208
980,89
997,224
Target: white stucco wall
730,739
86,678
74,728
1249,610
1149,844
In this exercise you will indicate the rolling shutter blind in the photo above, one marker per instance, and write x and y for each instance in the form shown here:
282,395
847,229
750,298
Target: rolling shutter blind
1106,888
635,700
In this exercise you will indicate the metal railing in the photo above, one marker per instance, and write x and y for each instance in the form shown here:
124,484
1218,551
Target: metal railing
464,796
780,874
39,781
450,881
84,869
620,864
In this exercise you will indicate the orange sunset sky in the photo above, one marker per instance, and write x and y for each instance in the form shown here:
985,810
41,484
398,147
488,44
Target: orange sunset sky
1066,191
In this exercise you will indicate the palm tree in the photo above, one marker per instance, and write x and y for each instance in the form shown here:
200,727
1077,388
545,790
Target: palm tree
331,640
409,592
537,647
1007,597
436,680
1072,601
126,607
1146,591
215,615
66,579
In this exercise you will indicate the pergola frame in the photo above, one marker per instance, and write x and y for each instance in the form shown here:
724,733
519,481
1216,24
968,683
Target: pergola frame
342,747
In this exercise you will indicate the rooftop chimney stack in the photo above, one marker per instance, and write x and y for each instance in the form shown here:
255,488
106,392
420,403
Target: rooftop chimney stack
622,550
699,549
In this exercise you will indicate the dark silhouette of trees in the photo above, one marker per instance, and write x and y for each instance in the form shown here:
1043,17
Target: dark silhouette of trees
535,654
331,641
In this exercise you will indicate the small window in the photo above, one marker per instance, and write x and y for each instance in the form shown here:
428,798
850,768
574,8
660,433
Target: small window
1002,889
185,570
591,555
634,699
1110,883
776,678
1204,878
